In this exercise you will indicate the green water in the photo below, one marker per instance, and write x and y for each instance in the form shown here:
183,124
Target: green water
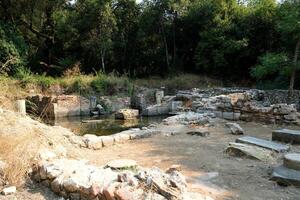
103,125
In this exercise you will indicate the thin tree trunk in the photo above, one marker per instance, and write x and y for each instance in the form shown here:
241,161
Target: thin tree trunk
165,44
294,70
174,37
102,60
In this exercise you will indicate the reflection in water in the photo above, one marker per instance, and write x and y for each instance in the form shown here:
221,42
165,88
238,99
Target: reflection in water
103,125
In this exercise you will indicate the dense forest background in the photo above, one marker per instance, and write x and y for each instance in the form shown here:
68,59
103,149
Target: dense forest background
245,41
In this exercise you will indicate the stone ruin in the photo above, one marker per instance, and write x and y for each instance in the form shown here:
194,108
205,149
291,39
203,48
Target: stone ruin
117,180
228,103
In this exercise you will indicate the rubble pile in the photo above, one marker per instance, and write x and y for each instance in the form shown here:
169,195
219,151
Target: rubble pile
74,179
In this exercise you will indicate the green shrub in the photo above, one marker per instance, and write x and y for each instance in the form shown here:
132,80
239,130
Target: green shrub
13,49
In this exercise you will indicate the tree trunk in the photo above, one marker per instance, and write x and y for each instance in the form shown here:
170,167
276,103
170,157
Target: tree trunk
165,44
174,37
102,60
294,70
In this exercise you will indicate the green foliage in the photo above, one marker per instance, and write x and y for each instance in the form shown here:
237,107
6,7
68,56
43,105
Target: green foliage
12,49
223,38
271,64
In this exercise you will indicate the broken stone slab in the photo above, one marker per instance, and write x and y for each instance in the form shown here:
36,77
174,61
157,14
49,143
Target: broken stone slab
292,161
9,190
286,135
264,143
285,176
122,164
127,114
235,128
199,132
251,151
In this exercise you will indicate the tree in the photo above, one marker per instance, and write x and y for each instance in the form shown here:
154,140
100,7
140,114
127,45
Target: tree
13,50
289,27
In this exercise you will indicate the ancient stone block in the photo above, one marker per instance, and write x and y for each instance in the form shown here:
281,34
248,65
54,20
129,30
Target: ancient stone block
263,143
286,135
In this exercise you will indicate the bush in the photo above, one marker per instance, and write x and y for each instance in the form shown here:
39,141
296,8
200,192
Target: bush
13,49
273,71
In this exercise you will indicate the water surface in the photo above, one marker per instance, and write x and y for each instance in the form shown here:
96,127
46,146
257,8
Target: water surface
103,125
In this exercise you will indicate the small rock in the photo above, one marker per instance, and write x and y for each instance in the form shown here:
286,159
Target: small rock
9,190
46,155
109,192
123,194
235,128
127,114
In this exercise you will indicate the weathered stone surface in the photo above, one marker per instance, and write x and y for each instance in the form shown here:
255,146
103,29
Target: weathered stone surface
263,143
190,117
160,182
112,104
93,142
286,135
251,151
286,176
121,164
235,128
292,161
46,154
123,194
155,110
9,190
79,180
78,140
159,95
127,114
107,140
231,115
121,137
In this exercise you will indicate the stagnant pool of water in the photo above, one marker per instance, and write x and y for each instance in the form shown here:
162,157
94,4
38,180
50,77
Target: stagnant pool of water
103,125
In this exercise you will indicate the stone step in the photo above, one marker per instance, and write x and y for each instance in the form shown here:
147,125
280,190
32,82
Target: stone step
286,176
286,135
292,161
263,143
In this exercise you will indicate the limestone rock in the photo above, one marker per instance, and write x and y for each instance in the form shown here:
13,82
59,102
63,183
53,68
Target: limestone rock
235,128
45,154
263,143
9,190
127,114
238,149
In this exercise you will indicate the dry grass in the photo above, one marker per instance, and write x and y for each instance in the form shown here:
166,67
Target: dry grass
18,153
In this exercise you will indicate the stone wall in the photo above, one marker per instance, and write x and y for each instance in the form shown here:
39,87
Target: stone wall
57,106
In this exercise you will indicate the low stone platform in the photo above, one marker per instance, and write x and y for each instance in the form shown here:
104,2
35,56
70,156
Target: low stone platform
289,172
97,142
264,143
286,135
78,180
